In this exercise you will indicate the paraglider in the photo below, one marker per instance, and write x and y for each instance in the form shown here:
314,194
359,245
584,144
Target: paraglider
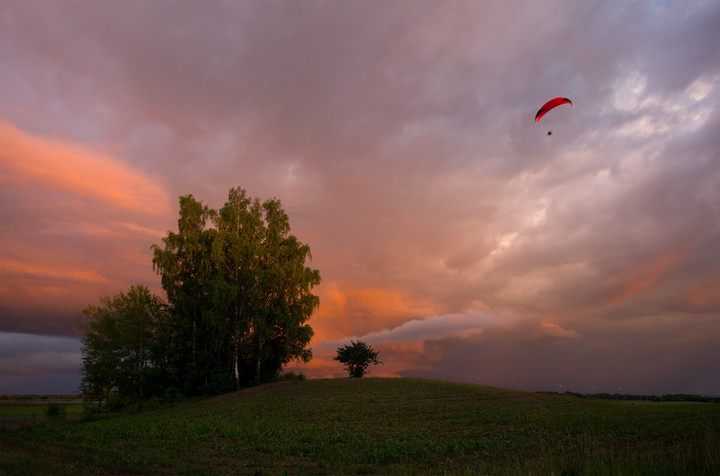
551,104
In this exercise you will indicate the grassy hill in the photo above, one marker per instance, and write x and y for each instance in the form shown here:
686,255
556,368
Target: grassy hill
378,426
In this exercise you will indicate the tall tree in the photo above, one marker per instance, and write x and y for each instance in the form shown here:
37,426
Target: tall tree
120,343
240,288
184,265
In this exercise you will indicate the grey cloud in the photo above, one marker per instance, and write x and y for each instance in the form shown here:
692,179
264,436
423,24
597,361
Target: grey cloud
469,322
39,364
28,354
653,360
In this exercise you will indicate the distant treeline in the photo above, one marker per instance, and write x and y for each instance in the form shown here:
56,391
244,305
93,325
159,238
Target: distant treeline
676,397
5,396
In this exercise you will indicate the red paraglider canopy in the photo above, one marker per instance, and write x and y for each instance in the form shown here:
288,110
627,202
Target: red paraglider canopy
551,104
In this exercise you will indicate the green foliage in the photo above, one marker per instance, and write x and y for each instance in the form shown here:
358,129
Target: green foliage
239,298
123,347
291,376
382,426
55,411
240,290
357,357
34,410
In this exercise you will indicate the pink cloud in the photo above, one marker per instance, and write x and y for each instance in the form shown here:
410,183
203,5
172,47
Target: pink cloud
77,224
15,267
63,166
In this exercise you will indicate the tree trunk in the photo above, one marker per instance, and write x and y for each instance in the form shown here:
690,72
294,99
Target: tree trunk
236,365
258,362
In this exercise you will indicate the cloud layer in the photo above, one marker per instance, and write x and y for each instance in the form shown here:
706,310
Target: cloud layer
449,228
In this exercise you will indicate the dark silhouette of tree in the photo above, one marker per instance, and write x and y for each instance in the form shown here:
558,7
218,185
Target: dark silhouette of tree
357,357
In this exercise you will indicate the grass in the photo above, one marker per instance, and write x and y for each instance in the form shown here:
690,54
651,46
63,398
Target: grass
378,426
36,410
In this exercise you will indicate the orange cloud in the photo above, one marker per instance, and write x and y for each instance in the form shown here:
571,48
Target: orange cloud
78,169
704,297
347,310
638,280
13,267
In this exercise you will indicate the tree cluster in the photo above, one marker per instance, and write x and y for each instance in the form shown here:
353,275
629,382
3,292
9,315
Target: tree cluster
124,345
238,298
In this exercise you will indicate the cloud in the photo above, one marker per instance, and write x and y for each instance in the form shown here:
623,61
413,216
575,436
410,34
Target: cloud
32,363
20,268
462,324
404,348
347,308
400,138
56,165
659,355
76,224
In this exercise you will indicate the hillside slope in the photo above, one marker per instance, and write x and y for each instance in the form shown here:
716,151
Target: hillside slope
379,426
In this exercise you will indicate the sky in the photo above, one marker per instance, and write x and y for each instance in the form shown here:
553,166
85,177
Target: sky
452,233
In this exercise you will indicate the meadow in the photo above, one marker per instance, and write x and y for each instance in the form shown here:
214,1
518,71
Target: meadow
37,409
378,426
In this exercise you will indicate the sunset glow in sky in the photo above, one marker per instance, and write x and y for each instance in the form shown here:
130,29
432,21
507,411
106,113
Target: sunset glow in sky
452,233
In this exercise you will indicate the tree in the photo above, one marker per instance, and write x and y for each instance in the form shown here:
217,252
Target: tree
357,357
183,267
240,290
120,344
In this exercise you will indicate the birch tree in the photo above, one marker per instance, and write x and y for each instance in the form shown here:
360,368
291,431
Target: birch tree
240,288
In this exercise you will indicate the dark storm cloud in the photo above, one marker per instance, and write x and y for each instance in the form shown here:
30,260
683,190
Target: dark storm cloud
607,358
38,364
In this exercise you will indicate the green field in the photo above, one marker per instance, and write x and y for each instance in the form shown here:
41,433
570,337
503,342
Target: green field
35,410
378,426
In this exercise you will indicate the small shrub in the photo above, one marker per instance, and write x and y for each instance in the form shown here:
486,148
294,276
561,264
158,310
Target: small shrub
90,412
171,397
357,357
291,377
55,411
114,403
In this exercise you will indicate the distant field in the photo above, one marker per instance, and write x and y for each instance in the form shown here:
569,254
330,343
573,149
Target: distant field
379,426
35,410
